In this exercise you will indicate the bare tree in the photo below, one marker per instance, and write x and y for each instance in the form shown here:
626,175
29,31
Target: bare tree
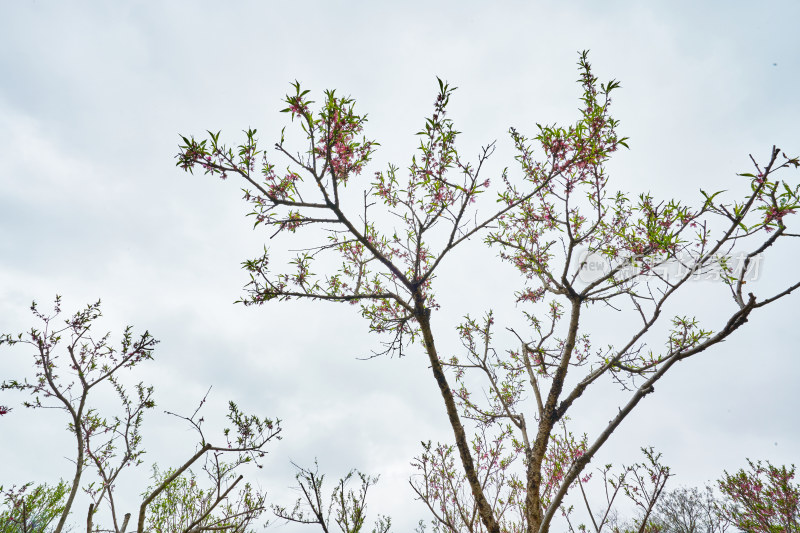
691,510
348,506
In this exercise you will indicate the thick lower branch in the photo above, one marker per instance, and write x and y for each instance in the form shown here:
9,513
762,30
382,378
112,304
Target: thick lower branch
484,509
535,456
734,322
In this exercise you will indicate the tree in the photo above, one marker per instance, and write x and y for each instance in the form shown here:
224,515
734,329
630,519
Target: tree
762,499
347,506
31,511
109,444
579,247
642,483
688,510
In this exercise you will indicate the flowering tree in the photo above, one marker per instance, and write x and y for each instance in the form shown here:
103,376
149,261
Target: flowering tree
763,499
109,444
575,242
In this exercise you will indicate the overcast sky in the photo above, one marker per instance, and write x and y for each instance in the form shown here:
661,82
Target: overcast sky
94,95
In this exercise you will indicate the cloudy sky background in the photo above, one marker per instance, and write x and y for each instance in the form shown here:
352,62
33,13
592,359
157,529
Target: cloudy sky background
94,95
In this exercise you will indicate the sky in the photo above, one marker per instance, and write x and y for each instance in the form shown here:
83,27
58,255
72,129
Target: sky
94,96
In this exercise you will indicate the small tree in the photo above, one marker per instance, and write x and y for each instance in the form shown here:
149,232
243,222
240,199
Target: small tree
348,507
687,510
762,499
579,247
642,483
31,510
110,444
